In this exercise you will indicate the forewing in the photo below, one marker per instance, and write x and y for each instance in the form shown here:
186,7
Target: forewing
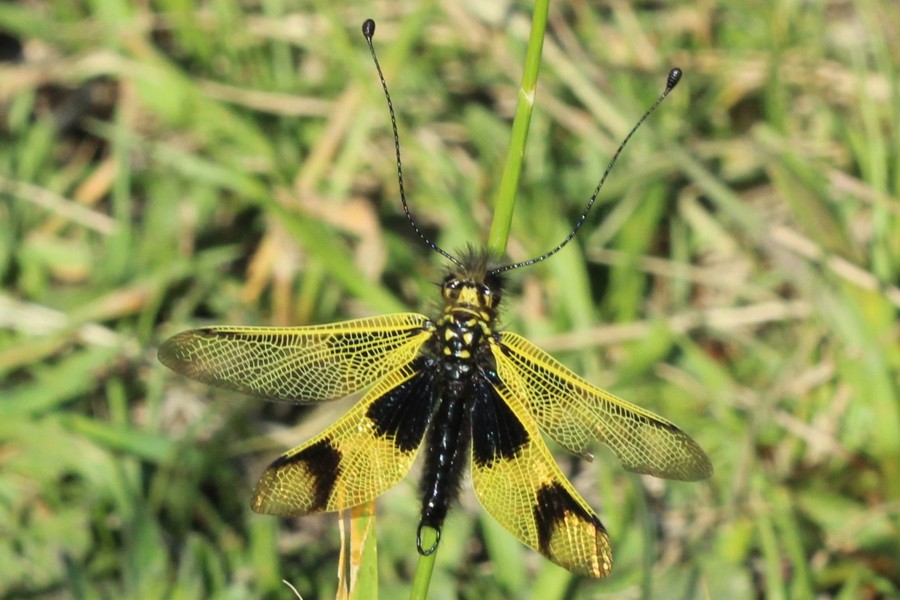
573,412
520,485
298,364
366,452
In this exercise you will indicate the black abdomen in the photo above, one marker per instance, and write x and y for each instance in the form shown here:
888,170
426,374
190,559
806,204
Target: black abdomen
446,448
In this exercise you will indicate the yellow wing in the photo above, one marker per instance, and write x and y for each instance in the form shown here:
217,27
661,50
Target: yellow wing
573,412
365,453
299,364
520,485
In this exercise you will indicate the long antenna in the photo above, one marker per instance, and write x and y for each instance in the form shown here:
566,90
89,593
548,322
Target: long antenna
671,81
368,30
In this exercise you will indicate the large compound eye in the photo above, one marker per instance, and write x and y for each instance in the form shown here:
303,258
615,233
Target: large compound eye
485,292
492,289
450,287
491,296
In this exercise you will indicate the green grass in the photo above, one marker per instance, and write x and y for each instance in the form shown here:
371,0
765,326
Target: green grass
229,163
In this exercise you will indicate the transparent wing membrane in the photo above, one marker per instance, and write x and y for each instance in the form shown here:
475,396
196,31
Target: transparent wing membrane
298,364
573,413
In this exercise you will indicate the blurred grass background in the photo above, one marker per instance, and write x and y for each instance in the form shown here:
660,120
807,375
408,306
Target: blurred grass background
172,164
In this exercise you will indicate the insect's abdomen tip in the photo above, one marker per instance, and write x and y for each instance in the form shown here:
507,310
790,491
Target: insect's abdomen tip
368,28
671,81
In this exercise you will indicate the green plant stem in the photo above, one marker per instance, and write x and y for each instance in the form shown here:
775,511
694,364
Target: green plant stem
509,182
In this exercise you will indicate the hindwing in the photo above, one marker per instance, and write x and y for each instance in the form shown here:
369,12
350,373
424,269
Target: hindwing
518,482
362,455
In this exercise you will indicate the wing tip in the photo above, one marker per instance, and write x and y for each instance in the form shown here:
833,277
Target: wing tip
168,352
177,349
583,559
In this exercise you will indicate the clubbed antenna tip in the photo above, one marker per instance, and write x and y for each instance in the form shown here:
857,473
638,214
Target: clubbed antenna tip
671,81
368,28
